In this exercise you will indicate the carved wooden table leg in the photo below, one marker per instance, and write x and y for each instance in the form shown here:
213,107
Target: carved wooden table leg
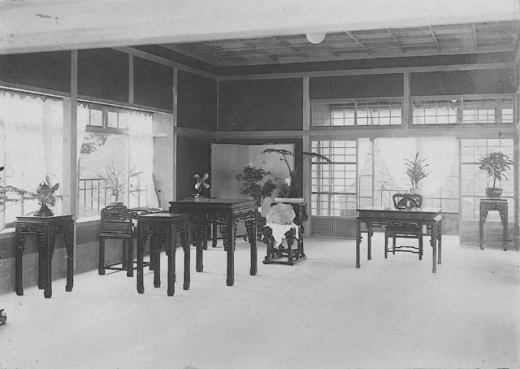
140,246
251,226
186,242
358,243
48,252
101,256
170,246
230,222
156,245
434,248
69,244
20,243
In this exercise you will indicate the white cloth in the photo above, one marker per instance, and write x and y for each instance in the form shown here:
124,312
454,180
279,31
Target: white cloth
279,231
281,214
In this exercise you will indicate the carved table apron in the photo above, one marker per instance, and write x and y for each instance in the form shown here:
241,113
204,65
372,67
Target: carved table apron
164,229
227,212
46,229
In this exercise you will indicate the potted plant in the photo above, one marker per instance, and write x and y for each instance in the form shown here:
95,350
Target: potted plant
289,187
45,196
496,164
415,170
255,184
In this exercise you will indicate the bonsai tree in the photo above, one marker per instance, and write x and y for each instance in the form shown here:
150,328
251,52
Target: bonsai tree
415,170
293,190
496,164
253,186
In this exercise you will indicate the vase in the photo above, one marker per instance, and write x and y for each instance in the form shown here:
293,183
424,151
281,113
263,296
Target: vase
44,211
416,191
493,192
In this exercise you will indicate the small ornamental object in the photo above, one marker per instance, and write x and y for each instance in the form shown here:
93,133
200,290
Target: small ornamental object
3,317
45,196
200,184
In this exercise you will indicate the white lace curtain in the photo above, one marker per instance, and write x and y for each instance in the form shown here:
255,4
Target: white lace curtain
31,142
439,152
140,127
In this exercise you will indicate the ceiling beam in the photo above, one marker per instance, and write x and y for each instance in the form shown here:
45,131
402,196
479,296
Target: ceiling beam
475,38
36,25
357,42
399,45
432,32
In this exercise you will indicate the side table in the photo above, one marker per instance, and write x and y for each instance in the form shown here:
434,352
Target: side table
163,229
45,229
500,205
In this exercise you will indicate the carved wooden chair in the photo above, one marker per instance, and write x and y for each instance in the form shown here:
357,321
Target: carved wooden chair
289,255
406,230
117,223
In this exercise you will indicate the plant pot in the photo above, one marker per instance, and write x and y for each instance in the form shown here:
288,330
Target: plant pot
416,191
494,193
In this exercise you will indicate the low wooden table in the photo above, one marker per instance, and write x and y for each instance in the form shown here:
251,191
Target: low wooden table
227,212
45,229
487,205
422,216
163,229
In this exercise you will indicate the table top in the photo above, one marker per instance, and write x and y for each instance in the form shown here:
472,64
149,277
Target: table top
162,215
35,218
393,210
380,212
204,203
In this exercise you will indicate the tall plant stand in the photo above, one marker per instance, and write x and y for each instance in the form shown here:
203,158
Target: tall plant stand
487,205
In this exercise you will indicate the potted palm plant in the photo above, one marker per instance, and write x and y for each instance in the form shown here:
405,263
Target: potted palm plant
289,188
416,172
496,165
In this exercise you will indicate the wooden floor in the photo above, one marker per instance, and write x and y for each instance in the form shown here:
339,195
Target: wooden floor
321,313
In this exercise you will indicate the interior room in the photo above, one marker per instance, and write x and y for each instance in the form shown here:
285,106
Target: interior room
341,181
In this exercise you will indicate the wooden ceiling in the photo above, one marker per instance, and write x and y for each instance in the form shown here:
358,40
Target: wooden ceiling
500,36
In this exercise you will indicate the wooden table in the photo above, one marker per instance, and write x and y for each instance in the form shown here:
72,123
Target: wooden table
45,229
163,229
227,212
487,205
422,216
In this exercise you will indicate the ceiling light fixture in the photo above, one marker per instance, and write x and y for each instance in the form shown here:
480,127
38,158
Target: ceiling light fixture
315,38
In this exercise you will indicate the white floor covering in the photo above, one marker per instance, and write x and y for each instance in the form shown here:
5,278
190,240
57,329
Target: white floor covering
321,313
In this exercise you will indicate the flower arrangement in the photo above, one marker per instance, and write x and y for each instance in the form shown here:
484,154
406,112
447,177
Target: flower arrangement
415,170
496,164
45,195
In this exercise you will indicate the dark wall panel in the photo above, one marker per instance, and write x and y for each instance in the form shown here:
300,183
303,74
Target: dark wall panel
153,84
103,73
43,70
196,102
193,157
463,82
271,104
342,87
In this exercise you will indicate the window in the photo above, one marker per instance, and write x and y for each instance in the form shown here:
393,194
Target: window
435,111
357,113
463,109
116,158
31,144
334,184
474,180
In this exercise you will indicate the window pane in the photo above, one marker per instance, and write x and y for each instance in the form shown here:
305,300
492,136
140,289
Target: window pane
112,119
96,118
435,111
